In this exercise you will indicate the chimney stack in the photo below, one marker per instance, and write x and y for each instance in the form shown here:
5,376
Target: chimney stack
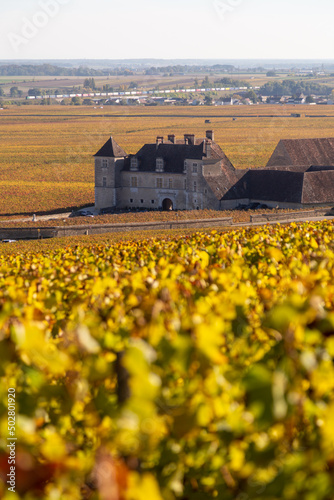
189,139
210,135
160,140
208,145
171,138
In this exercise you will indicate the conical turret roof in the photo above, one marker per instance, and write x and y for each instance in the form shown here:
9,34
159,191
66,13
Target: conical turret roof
111,149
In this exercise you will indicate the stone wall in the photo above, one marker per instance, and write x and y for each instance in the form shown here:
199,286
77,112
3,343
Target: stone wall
141,190
61,231
289,216
107,179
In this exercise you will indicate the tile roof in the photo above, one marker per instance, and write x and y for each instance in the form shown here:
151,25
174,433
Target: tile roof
303,152
174,155
318,187
111,149
275,185
306,185
228,184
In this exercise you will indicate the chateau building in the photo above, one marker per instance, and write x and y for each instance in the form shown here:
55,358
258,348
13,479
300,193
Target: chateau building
194,173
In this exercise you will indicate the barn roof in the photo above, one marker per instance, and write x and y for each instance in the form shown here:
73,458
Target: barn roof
275,185
318,186
305,185
303,152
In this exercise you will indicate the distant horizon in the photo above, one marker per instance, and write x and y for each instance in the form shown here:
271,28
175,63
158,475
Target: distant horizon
167,59
239,63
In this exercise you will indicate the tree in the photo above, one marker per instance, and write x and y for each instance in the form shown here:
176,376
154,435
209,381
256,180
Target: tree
76,101
309,99
89,83
14,92
48,101
208,100
107,88
35,92
271,73
2,92
252,96
206,83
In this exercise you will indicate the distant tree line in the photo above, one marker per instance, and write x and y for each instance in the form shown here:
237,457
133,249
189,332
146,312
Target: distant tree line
51,70
294,88
185,69
229,82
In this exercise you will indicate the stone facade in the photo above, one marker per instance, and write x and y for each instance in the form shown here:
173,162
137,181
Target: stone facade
164,175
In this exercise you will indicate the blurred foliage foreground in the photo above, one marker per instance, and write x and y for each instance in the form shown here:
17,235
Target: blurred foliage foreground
195,367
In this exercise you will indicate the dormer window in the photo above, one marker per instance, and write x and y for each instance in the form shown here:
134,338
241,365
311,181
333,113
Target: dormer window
159,165
134,164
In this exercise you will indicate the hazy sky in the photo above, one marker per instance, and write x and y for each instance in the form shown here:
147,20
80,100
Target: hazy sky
115,29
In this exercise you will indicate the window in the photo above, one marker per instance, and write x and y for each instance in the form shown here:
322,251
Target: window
185,183
131,200
195,168
195,186
152,201
185,166
205,191
104,182
134,164
170,183
134,182
160,165
159,182
104,163
141,201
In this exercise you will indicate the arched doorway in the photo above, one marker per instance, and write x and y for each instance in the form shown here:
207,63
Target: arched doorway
167,205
